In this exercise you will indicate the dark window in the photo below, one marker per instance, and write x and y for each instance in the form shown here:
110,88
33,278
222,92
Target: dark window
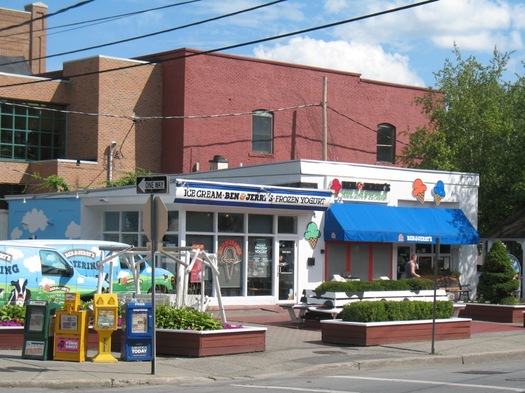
262,131
31,131
386,143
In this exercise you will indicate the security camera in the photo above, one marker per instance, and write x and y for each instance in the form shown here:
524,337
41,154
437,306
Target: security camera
113,144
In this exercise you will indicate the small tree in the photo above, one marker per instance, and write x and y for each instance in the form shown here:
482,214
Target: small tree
497,282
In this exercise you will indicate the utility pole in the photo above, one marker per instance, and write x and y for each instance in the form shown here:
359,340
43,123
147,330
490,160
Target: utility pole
325,127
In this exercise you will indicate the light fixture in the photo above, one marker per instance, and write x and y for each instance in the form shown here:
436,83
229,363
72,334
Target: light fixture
24,200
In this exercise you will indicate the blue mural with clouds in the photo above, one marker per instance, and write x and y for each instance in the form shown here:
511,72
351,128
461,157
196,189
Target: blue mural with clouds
44,219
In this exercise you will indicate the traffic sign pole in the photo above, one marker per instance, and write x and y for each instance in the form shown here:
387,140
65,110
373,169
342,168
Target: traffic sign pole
153,289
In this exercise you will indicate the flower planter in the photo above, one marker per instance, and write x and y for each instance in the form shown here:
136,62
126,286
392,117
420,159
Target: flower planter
494,312
380,333
11,337
194,343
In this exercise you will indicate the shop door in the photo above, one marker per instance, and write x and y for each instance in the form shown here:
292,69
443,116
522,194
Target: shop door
286,270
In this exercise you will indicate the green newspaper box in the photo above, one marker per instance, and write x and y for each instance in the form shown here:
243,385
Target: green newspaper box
39,329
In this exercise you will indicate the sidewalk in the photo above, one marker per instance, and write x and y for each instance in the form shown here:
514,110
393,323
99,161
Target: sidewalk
290,348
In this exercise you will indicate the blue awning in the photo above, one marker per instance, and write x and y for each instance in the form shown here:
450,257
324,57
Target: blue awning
390,224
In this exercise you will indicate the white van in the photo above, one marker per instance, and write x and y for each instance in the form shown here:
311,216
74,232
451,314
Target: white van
84,255
38,272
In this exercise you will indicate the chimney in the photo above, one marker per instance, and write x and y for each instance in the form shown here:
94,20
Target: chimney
218,162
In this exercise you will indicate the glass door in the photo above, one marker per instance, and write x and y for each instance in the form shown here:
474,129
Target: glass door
286,270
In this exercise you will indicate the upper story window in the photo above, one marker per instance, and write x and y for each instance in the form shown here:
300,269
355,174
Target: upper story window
262,131
386,143
32,132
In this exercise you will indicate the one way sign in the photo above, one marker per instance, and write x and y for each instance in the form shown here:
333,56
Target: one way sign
152,185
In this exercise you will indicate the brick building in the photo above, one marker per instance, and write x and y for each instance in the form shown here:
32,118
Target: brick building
181,111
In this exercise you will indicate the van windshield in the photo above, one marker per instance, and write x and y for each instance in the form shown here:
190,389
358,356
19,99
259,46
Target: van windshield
53,264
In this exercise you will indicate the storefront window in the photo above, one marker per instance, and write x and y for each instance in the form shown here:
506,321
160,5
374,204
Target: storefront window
260,266
260,223
231,222
112,221
199,221
231,267
287,224
200,274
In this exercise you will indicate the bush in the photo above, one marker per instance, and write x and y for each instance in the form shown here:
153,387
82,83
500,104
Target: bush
383,311
496,282
184,319
12,315
411,284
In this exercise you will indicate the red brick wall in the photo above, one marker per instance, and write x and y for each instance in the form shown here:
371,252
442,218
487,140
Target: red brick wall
222,84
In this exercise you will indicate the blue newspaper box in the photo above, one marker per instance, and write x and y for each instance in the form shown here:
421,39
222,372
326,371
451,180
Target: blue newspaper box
137,332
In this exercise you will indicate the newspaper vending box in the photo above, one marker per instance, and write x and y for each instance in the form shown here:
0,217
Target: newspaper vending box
39,329
137,332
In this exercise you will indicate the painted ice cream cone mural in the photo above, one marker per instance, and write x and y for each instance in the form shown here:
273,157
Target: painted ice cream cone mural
418,190
439,192
336,187
312,234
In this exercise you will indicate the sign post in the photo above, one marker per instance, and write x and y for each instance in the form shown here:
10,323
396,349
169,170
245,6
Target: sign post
155,223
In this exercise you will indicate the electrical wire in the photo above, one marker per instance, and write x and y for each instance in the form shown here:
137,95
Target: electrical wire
152,34
346,21
82,3
92,22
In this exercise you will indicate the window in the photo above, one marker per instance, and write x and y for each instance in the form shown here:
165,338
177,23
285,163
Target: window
262,131
31,131
386,143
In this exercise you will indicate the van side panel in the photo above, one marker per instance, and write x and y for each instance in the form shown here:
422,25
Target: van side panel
38,273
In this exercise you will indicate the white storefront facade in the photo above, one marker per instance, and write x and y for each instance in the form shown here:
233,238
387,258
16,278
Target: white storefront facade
280,228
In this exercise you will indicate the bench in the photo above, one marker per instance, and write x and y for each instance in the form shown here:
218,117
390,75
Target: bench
453,286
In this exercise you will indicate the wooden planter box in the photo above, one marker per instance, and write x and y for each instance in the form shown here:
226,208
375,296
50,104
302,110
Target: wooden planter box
11,337
194,343
379,333
493,312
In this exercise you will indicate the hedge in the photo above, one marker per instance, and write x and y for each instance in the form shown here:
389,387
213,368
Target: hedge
406,310
411,284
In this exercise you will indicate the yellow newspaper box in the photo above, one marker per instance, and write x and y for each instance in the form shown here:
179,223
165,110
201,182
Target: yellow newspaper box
105,321
71,331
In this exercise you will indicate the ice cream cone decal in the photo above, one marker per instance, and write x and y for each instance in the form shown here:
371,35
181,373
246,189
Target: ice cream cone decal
336,187
312,234
439,192
418,190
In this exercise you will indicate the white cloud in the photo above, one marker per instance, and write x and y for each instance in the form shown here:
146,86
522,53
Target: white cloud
72,231
369,60
34,220
16,233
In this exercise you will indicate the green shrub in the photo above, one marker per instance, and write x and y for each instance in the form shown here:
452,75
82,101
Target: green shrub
383,311
496,282
12,313
184,319
411,284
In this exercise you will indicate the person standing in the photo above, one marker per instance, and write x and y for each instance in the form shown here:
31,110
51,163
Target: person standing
411,266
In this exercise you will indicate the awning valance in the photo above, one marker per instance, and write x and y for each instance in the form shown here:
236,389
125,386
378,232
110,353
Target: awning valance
390,224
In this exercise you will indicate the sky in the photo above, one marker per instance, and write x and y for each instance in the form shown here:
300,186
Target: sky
407,46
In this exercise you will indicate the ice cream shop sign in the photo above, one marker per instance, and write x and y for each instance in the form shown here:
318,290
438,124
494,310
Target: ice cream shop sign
252,196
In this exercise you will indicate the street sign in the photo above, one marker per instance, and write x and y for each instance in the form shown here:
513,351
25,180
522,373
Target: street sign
159,221
152,184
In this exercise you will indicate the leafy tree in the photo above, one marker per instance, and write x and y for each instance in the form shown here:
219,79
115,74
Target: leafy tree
53,183
129,178
476,124
497,282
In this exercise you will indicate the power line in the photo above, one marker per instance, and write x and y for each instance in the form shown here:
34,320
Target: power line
153,34
47,15
106,19
346,21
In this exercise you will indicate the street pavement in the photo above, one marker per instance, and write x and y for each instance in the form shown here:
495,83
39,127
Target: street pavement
290,348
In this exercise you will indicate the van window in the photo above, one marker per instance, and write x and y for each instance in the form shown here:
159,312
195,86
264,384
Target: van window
53,264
